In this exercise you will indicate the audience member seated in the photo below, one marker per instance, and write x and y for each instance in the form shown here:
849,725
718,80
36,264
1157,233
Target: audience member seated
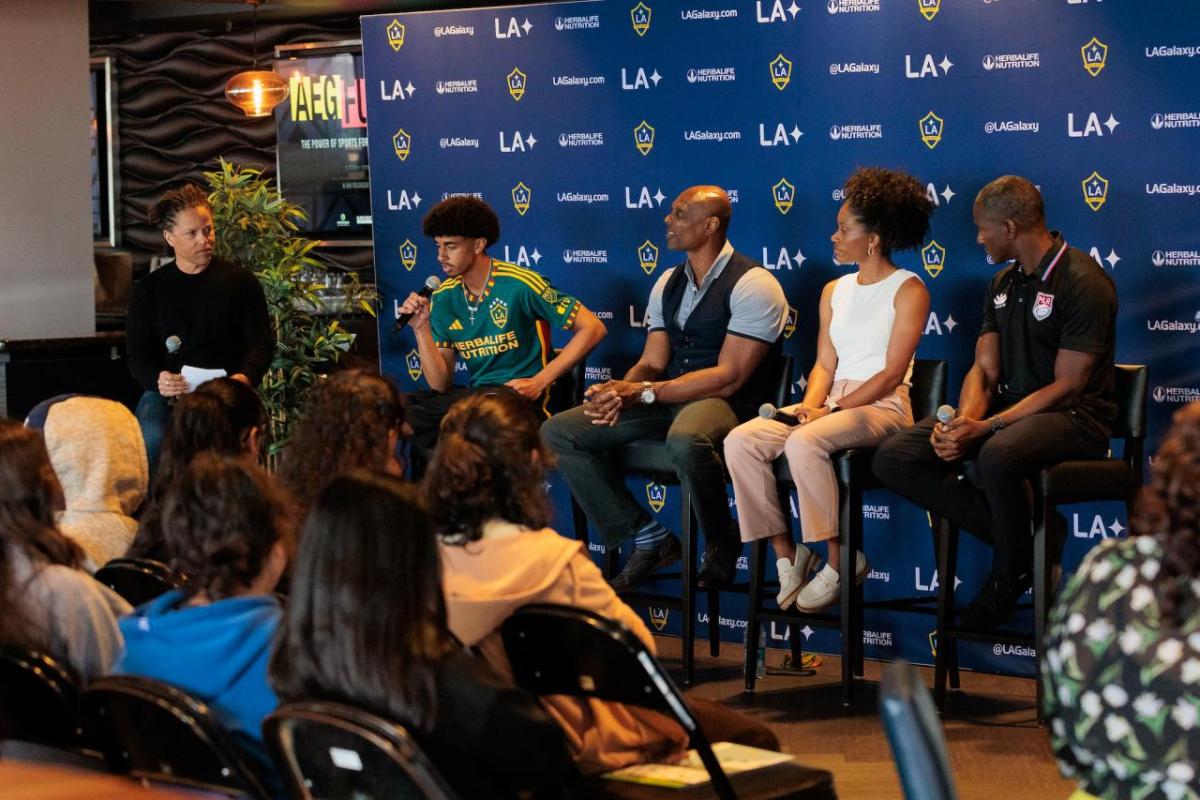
1122,655
222,416
488,503
351,420
227,529
49,604
366,626
96,448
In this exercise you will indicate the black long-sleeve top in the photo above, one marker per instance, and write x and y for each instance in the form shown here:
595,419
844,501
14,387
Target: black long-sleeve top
219,315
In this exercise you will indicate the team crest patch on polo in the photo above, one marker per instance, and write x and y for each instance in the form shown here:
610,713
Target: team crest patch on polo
1042,306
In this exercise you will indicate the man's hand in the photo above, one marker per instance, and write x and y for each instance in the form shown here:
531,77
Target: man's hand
418,306
172,384
604,402
529,388
952,440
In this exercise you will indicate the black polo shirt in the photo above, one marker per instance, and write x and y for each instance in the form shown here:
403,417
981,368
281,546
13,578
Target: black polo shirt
1068,303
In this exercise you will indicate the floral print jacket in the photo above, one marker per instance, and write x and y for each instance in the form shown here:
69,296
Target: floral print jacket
1122,690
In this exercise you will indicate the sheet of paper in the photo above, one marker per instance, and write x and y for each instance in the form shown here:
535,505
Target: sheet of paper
198,375
690,771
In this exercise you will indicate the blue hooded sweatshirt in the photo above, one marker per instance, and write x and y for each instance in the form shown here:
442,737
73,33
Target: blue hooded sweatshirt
217,653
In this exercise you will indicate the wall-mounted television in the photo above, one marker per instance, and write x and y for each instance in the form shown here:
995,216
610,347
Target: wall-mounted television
102,90
321,157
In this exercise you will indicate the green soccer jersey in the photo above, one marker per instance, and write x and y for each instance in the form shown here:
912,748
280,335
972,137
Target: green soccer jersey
505,333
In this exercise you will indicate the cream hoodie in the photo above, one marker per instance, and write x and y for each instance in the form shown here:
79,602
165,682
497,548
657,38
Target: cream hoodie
512,566
97,451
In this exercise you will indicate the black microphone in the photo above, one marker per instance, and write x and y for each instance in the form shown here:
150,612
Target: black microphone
431,285
945,413
769,411
173,344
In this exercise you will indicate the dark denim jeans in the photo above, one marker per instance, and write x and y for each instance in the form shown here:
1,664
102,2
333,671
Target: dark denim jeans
153,415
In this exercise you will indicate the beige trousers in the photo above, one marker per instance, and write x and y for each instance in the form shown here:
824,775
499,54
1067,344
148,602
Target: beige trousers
751,448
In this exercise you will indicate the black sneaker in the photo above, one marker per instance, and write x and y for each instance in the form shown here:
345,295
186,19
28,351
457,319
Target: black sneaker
719,566
642,563
995,603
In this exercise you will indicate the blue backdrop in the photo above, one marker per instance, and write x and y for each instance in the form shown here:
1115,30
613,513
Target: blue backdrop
580,122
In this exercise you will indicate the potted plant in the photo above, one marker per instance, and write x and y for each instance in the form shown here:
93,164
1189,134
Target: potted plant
256,228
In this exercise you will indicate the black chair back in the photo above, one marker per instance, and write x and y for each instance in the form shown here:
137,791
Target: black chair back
138,580
329,750
928,386
563,650
1130,388
914,731
156,732
781,381
39,699
567,391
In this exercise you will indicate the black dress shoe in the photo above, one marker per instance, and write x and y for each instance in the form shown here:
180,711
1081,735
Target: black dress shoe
719,567
643,563
995,603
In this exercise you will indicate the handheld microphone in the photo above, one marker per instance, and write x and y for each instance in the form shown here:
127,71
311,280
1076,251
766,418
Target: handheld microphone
431,285
769,411
945,413
173,344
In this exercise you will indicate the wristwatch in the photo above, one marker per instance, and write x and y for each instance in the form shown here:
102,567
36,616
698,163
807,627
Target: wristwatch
995,423
648,396
833,406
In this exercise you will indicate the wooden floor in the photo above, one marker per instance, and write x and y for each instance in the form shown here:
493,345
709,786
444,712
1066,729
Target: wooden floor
996,748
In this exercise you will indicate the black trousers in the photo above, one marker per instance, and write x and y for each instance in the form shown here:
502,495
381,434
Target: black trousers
424,412
994,500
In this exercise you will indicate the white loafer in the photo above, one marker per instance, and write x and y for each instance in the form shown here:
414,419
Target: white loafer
825,589
793,575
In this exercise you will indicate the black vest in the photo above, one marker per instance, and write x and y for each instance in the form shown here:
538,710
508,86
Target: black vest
698,343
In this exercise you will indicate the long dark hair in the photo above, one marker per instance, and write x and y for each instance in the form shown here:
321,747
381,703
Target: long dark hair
344,426
366,621
1169,507
216,418
220,521
27,498
484,467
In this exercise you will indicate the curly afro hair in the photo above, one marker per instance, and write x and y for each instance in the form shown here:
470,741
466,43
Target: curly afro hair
892,204
463,216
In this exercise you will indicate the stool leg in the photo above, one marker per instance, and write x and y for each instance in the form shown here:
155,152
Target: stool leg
758,563
1042,571
796,641
849,648
714,622
687,578
947,645
853,540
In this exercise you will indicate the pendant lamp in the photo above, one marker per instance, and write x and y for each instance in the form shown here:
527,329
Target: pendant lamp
256,92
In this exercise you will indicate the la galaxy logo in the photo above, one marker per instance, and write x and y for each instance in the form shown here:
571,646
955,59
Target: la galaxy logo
516,84
658,617
929,8
1095,56
640,15
402,144
643,137
648,256
789,327
933,256
395,34
1043,304
931,129
413,362
521,195
1095,190
784,194
656,496
408,254
498,311
550,294
781,72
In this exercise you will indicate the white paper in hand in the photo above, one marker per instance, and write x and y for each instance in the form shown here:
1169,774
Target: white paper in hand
198,375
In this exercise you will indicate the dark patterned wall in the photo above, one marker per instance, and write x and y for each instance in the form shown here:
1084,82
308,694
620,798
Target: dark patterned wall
174,121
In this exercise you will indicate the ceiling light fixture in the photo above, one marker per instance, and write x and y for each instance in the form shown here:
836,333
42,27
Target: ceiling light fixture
256,92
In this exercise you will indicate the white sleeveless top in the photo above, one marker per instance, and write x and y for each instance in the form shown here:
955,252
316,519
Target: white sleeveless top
861,325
